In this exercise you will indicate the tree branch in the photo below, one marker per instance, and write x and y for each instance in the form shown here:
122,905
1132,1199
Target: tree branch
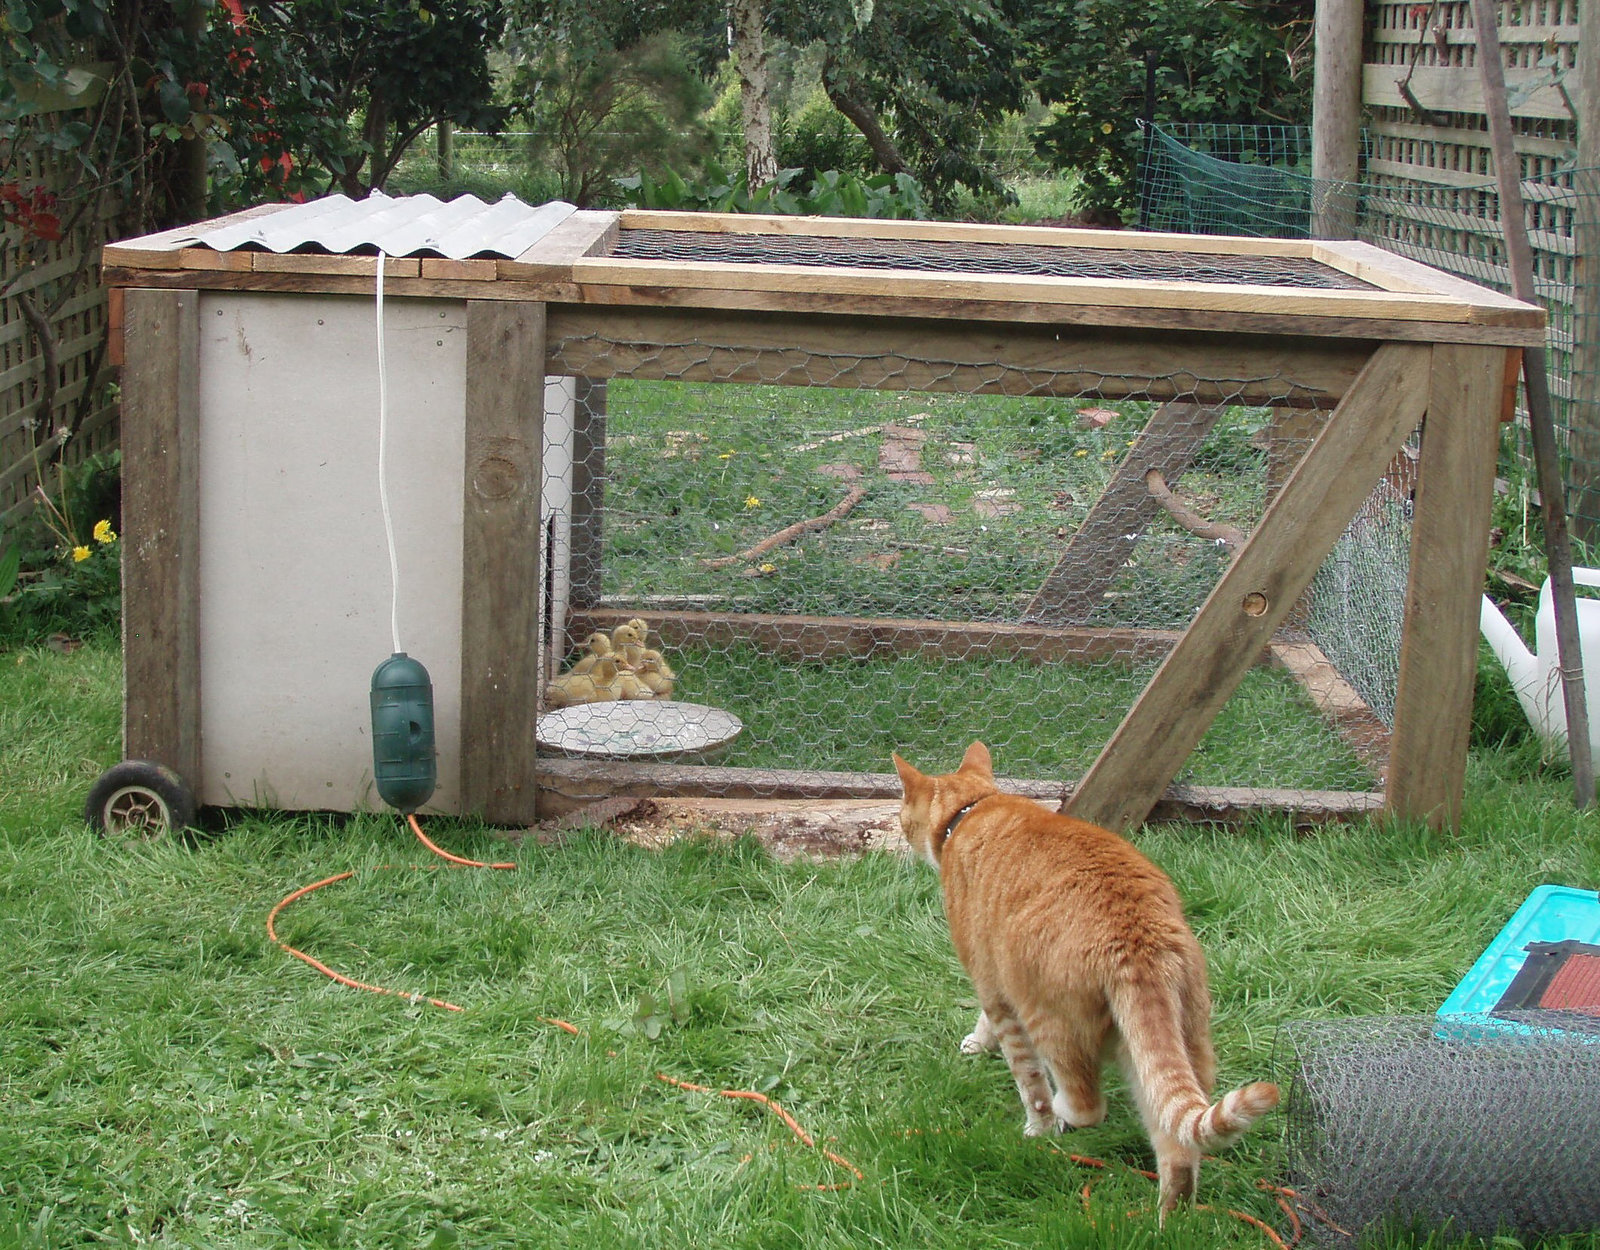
1230,536
792,532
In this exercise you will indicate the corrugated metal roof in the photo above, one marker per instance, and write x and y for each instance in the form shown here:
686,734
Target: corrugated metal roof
407,225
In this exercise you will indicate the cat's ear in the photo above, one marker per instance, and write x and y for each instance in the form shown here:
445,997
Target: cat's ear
977,760
909,776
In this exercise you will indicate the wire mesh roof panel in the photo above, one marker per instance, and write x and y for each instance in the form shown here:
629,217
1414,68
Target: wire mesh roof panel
410,225
1121,264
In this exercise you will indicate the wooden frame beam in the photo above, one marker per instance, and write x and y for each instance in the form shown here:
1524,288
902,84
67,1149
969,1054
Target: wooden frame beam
161,536
501,574
1449,548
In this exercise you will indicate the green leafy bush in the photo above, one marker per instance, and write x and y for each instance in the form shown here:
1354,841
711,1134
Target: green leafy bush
832,193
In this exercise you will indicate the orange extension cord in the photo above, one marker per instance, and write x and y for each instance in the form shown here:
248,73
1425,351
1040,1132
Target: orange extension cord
1286,1197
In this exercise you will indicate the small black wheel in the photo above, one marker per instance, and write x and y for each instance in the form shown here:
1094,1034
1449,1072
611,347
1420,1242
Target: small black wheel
139,799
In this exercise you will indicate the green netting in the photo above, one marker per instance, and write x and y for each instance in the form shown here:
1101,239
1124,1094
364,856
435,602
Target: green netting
1255,180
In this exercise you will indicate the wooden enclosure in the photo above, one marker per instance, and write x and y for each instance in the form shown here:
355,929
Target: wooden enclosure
1377,343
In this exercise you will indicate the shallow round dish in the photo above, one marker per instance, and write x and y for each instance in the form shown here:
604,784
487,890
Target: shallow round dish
636,729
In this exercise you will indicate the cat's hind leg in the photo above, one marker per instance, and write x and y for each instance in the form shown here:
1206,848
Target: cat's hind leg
1027,1070
982,1038
1072,1045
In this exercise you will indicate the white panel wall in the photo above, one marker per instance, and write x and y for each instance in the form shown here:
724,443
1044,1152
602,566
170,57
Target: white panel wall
294,571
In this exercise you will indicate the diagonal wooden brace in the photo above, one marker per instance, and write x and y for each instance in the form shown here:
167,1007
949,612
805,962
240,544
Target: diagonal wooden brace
1258,590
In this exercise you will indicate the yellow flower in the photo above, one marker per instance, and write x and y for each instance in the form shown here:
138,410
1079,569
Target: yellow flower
1108,453
727,455
752,502
103,533
80,554
1105,128
769,568
1082,451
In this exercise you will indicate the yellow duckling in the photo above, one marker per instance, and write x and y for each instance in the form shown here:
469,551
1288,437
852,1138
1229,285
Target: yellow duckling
654,674
599,647
598,685
634,687
649,653
627,644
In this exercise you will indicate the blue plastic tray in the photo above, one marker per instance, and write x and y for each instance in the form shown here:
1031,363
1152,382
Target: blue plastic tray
1552,913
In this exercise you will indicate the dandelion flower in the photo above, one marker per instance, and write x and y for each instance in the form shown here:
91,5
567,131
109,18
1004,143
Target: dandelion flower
1108,453
1082,451
728,455
103,533
769,568
752,502
80,554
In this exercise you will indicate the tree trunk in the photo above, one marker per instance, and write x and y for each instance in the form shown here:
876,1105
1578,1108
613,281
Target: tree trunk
750,56
845,92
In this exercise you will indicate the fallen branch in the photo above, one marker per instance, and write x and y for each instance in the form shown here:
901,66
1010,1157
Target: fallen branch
1214,531
792,532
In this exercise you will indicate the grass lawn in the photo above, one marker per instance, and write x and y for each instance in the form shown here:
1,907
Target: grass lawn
168,1076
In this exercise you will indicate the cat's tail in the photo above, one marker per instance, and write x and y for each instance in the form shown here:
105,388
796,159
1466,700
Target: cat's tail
1170,1094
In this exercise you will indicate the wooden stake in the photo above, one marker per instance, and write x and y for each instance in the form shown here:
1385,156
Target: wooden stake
1546,458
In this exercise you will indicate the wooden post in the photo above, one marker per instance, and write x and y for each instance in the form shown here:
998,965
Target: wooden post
1336,115
161,530
588,493
1259,588
501,603
1585,373
1449,548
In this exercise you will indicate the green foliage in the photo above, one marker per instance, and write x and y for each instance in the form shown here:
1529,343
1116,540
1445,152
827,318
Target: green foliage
830,194
64,562
818,137
1213,61
594,116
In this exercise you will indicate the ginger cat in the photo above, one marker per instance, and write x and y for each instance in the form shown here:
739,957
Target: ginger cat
1079,952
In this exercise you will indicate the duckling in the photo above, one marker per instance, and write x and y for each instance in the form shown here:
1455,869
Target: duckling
634,687
627,644
599,646
598,685
649,653
654,674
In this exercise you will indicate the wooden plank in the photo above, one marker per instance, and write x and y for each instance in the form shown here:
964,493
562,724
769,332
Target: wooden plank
1452,89
584,233
161,250
588,492
810,639
1401,273
1456,136
1508,329
1268,574
903,354
1465,36
1220,298
583,781
1344,709
501,601
314,263
161,530
1449,548
959,232
1076,586
463,270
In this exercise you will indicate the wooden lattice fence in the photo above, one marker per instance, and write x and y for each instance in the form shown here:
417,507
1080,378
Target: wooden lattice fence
54,283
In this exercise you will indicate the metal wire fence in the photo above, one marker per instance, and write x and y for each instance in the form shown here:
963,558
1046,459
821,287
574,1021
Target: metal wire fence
1255,180
833,556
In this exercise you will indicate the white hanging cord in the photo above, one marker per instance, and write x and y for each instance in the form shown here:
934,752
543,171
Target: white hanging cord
383,480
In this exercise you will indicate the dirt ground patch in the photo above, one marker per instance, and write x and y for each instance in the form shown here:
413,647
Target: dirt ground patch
789,828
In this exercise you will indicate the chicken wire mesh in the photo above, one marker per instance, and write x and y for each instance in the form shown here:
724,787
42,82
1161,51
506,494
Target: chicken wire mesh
1480,1125
834,568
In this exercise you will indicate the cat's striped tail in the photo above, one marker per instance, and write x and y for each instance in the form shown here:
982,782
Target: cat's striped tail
1224,1121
